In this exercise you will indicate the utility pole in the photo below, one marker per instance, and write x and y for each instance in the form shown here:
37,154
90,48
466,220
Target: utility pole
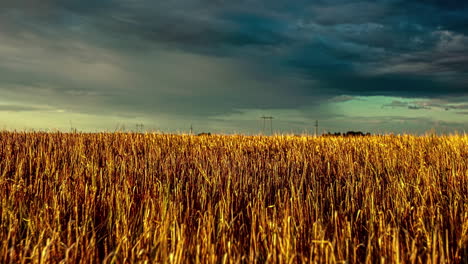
265,118
316,127
191,129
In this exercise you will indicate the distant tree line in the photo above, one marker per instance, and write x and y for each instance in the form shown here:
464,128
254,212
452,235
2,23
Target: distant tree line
348,134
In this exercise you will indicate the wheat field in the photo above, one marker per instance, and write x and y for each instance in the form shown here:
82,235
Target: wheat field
151,198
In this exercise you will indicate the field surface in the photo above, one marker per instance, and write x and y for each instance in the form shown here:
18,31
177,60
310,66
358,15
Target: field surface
136,198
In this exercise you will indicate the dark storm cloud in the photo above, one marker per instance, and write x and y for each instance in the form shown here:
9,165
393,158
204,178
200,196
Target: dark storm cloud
269,54
46,6
445,4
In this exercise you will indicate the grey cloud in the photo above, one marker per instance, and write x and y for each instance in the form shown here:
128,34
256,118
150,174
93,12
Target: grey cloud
399,104
417,107
396,103
346,13
342,98
19,108
205,58
464,106
427,104
447,4
159,81
447,56
446,104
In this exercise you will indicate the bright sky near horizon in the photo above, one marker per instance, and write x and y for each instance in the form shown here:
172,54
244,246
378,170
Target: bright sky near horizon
376,66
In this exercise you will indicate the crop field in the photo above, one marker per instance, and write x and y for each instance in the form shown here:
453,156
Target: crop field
149,198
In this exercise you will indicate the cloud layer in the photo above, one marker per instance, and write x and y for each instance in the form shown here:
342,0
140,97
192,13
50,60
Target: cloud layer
196,59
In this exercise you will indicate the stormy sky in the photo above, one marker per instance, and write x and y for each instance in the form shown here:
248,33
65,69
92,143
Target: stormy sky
381,66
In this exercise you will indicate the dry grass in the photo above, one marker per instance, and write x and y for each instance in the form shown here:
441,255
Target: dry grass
128,198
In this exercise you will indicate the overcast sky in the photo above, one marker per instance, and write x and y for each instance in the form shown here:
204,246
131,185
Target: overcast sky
378,66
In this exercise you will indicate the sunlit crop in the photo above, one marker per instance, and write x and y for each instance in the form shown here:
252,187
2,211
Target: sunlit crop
128,198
